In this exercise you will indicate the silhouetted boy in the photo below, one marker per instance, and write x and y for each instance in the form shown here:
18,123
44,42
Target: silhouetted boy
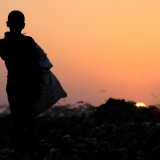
21,59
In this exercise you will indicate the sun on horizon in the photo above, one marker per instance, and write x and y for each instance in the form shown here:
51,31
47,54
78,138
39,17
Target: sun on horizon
140,104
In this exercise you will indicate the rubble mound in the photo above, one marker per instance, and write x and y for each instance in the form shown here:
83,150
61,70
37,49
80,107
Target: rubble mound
114,130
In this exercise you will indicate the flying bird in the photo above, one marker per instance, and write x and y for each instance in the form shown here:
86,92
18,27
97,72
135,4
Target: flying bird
102,91
153,95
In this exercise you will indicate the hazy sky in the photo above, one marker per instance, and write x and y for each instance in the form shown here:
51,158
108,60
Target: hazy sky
94,45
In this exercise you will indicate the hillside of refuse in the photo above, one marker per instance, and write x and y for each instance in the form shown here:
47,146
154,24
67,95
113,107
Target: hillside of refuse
114,130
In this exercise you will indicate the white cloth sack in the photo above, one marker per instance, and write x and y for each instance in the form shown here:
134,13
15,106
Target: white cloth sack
52,90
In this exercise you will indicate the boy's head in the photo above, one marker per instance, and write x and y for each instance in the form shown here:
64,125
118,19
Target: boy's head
16,21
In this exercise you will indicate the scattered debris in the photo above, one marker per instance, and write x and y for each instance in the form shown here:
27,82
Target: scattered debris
114,130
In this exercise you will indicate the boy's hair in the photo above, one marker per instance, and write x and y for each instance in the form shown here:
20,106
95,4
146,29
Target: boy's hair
16,13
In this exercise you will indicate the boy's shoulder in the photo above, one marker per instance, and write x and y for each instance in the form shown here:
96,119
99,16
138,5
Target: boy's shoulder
29,39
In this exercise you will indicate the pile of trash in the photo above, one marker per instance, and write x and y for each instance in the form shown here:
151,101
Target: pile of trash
115,130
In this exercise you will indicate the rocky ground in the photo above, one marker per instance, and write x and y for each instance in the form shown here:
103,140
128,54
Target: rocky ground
115,130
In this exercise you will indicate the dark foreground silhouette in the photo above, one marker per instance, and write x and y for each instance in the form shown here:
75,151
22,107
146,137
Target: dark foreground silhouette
114,130
20,55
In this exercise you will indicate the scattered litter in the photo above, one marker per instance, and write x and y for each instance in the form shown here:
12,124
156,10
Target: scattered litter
114,130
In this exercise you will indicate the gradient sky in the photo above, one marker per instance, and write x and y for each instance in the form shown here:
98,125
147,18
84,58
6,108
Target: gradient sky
94,45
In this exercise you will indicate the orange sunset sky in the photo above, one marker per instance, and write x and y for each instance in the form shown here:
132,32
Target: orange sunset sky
94,45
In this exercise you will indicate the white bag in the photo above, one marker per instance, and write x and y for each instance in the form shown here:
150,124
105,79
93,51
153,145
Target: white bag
52,90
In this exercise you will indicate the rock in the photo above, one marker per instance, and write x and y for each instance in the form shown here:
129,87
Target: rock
83,115
95,129
102,126
70,157
101,132
78,126
52,150
51,153
95,151
81,146
93,139
67,136
61,115
74,150
156,148
4,151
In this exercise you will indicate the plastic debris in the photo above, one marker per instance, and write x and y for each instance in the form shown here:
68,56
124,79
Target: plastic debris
114,130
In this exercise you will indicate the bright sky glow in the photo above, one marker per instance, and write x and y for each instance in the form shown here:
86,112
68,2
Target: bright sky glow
140,104
94,45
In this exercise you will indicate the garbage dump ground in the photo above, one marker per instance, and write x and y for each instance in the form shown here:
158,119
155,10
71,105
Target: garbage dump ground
114,130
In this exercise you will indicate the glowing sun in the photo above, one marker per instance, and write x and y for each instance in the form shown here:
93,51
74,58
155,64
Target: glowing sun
140,104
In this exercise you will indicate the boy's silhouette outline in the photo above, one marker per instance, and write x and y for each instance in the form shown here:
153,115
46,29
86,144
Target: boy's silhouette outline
23,83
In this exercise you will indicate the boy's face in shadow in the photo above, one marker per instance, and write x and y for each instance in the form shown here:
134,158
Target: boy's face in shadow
16,24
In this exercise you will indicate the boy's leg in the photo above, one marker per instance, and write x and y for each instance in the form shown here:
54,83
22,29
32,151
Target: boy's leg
18,117
22,105
32,137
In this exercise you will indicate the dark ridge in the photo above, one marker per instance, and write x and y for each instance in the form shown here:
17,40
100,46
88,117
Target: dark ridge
114,130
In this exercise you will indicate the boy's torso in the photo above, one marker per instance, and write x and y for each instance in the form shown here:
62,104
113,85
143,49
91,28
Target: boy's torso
17,57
